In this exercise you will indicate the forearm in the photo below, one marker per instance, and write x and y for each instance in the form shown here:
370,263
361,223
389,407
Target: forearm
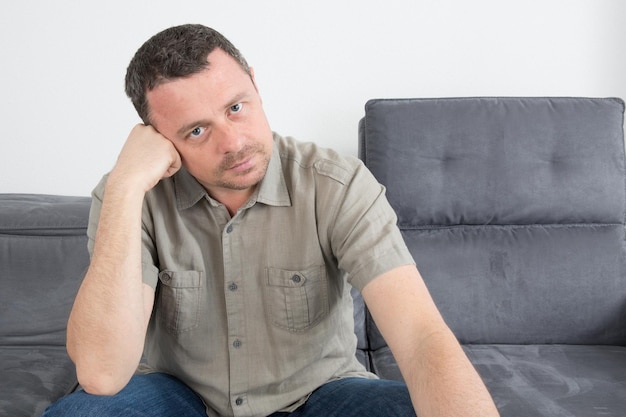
443,382
441,379
106,329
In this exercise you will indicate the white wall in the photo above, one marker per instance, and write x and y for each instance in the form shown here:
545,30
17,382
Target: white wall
64,115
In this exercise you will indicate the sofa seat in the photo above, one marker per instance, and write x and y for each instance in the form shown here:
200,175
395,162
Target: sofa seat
32,377
554,380
548,380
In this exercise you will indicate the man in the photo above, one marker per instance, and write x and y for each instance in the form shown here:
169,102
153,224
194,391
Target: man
223,253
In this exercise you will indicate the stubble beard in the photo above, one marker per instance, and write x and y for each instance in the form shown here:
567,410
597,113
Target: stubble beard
223,175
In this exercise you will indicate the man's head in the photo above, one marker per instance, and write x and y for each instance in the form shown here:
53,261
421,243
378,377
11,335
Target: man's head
198,92
174,53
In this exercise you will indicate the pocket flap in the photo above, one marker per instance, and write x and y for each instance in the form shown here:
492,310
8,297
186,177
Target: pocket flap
285,278
181,279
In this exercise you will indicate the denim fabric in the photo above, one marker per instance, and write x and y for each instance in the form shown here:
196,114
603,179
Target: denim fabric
160,395
357,397
146,395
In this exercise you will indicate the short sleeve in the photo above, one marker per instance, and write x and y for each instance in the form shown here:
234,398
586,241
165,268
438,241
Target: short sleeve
365,237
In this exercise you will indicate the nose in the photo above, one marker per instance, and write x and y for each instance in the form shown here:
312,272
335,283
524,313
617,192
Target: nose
229,139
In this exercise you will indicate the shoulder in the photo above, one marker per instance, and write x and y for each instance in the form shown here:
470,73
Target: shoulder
307,158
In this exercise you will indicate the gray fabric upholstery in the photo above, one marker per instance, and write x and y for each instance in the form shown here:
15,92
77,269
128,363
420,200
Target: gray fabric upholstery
554,380
43,256
32,377
514,211
360,329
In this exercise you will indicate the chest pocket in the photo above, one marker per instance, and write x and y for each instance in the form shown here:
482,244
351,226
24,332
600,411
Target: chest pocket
297,300
179,300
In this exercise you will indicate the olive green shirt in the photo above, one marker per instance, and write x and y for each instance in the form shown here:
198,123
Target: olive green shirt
254,312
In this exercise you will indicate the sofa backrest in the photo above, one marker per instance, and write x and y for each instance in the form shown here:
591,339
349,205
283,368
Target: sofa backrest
513,209
43,257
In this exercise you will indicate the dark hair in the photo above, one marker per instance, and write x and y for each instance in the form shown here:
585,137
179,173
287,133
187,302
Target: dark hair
176,52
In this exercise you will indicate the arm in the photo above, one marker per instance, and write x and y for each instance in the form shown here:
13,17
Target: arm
108,322
440,378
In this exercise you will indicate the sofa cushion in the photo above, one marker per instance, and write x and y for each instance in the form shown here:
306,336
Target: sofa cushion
513,209
43,256
531,284
498,161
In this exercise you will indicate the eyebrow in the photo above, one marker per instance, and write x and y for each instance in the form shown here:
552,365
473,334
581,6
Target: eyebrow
190,126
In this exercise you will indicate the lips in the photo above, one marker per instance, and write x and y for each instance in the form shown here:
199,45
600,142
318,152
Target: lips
243,161
244,165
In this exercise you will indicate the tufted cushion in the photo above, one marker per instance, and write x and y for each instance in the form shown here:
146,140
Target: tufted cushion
513,209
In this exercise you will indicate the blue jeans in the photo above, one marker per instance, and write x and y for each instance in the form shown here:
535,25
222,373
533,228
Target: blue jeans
160,395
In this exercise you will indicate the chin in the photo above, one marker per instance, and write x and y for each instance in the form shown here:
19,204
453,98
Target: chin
248,181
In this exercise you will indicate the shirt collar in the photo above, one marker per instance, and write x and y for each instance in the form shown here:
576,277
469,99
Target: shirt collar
272,190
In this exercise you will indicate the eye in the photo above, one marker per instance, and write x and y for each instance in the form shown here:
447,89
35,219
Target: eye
198,131
236,108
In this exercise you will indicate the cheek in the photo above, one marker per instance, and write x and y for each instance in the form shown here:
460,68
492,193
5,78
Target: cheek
195,157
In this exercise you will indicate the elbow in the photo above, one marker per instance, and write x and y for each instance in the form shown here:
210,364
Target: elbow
99,380
100,372
96,377
99,389
99,383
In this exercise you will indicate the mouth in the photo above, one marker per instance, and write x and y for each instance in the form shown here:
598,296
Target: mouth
243,165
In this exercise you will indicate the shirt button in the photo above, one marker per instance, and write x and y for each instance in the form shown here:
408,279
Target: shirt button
237,344
229,229
232,286
296,279
239,401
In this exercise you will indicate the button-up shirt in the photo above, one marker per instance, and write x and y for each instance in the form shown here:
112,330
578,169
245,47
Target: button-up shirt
253,311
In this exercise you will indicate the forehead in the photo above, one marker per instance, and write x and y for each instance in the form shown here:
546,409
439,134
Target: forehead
221,72
212,88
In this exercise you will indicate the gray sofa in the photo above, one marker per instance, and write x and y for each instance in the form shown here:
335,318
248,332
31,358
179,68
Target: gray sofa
513,208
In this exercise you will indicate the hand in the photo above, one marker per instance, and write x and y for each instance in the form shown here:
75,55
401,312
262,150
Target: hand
146,158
